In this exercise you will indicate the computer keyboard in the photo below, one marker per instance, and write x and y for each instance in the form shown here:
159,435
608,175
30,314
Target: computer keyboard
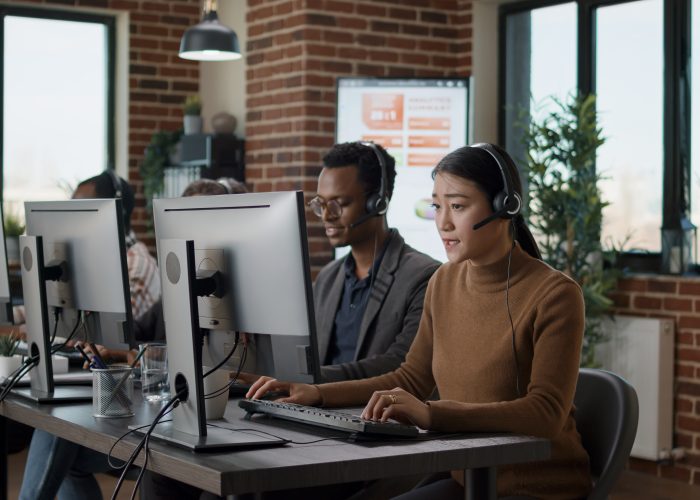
331,419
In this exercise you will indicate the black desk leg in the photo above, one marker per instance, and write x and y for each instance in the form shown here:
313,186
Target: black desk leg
480,484
3,458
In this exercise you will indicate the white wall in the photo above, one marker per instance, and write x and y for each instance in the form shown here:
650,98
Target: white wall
485,69
222,84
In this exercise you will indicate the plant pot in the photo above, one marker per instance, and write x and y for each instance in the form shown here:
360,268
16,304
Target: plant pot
12,246
192,124
9,364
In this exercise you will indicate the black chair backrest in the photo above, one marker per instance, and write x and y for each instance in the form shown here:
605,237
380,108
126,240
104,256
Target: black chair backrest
607,412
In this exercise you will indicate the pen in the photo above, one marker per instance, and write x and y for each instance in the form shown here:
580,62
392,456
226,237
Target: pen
82,351
96,357
126,376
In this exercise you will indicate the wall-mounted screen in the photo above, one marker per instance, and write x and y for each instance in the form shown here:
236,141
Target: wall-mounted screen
418,121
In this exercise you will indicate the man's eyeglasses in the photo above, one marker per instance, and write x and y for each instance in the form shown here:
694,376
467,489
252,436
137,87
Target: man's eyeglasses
317,205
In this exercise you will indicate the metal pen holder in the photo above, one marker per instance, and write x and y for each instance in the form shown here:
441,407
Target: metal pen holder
112,392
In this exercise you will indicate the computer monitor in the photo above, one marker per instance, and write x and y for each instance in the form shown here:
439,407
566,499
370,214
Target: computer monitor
5,296
233,262
73,260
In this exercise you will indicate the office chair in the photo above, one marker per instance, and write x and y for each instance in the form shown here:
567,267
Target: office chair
607,412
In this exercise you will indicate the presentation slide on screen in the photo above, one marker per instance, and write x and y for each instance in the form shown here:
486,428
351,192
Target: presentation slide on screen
418,121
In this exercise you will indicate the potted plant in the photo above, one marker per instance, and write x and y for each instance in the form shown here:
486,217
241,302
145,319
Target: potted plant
13,230
566,208
156,157
192,108
9,361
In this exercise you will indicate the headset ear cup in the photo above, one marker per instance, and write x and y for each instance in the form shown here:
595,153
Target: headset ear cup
499,201
373,203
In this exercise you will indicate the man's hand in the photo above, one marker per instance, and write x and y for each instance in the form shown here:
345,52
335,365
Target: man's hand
303,394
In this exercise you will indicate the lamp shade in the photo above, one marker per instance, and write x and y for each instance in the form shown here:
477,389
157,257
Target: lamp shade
210,41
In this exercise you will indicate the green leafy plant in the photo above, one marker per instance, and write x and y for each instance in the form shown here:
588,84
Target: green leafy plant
156,157
12,224
192,105
8,344
566,208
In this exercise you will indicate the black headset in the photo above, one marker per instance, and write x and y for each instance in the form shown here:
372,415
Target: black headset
507,203
116,183
227,186
377,203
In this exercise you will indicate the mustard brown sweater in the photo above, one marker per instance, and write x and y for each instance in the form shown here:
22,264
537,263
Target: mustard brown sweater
463,347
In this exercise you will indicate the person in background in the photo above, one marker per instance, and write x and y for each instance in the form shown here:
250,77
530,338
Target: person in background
369,302
144,280
500,338
59,468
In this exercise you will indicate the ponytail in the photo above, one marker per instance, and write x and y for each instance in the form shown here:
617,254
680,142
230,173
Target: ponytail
524,237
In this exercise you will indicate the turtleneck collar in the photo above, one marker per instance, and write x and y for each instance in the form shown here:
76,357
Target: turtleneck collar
492,277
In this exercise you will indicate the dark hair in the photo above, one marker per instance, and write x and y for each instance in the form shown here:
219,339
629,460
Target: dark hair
104,185
367,163
477,165
204,187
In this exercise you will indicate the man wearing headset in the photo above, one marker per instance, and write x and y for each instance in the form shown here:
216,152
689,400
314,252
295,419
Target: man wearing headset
368,304
144,280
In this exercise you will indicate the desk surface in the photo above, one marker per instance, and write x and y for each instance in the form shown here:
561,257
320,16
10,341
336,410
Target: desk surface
290,466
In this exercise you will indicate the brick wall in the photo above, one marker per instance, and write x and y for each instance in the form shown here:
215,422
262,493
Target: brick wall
159,80
677,298
296,50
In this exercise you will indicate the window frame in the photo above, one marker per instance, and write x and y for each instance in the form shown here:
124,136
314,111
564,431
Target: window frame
676,137
110,23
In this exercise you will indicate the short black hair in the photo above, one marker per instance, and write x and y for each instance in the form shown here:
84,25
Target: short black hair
367,163
105,188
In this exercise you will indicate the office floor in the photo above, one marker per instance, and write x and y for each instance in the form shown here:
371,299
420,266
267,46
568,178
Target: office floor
631,486
15,469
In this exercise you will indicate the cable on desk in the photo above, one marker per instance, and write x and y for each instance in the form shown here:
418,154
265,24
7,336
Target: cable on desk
120,438
173,402
17,375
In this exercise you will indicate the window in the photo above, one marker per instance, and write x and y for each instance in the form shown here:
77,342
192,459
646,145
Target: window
57,102
629,89
631,54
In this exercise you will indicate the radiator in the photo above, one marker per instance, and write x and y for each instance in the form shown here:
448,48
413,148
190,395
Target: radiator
641,351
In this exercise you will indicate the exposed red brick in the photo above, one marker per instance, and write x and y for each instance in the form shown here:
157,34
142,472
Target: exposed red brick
632,285
661,286
672,304
675,472
643,302
689,322
689,288
685,354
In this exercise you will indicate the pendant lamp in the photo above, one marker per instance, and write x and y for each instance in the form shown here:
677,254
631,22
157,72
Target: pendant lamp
210,40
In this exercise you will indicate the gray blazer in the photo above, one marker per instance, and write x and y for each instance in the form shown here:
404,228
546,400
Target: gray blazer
392,315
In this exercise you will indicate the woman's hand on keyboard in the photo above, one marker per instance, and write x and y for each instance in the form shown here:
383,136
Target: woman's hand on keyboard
303,394
399,405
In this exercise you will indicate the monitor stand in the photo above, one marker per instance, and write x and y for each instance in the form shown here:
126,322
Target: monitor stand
34,275
188,428
63,394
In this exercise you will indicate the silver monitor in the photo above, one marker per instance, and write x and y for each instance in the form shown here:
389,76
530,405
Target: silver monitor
5,297
73,259
244,257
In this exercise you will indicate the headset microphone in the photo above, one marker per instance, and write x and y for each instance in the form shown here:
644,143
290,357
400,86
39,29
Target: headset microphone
362,219
377,203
